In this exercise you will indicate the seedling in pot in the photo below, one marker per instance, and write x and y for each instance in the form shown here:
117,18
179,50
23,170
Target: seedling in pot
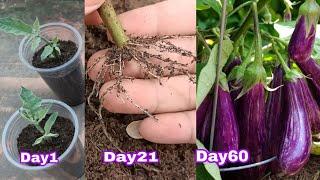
18,27
33,112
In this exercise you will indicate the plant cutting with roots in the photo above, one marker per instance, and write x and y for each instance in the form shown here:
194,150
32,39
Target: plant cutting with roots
152,54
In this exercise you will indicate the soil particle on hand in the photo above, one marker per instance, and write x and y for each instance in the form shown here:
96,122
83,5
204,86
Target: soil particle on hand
67,49
63,126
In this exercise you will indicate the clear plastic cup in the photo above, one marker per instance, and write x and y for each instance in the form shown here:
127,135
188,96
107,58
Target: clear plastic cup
71,162
66,80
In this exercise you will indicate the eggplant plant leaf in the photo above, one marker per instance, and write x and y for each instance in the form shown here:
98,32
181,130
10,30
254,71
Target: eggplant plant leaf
50,122
38,141
207,170
208,73
206,4
36,27
15,26
35,43
47,51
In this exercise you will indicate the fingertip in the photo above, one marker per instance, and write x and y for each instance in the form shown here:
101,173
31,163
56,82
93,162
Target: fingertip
169,128
95,63
92,5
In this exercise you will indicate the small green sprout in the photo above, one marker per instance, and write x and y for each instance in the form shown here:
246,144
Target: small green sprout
33,111
20,28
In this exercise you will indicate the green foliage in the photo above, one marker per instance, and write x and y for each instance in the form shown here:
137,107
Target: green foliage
15,26
47,128
207,170
18,27
207,77
33,112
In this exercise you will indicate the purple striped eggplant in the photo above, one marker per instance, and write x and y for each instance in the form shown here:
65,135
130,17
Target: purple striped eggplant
204,108
252,128
301,43
312,109
226,135
275,125
296,145
226,127
312,69
302,40
204,119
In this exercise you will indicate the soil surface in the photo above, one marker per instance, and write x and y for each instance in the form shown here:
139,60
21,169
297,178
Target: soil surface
176,161
67,49
64,127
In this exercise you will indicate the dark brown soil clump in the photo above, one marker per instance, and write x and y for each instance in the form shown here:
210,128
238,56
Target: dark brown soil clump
67,48
64,127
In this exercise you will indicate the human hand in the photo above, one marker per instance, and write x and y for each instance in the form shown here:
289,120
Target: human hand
173,102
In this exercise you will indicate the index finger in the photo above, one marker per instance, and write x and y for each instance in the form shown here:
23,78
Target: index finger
162,18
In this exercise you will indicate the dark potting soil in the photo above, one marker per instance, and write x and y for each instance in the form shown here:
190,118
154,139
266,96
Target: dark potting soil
67,48
63,126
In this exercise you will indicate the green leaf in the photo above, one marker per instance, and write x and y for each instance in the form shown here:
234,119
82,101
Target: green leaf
36,27
207,75
207,170
15,26
199,144
50,122
50,135
46,52
41,113
35,43
56,48
202,173
38,141
206,4
30,102
213,170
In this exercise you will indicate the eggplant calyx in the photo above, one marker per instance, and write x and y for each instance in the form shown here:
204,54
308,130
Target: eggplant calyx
254,74
292,75
311,10
223,82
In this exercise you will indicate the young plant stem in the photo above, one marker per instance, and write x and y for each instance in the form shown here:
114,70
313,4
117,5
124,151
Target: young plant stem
258,48
246,24
282,61
215,94
201,38
112,23
39,128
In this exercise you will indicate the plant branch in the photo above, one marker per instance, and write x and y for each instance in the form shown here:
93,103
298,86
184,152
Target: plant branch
258,53
215,95
246,24
282,61
201,38
239,7
112,23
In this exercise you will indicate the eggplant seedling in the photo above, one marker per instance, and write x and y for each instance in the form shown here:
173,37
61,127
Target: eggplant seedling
33,112
18,27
